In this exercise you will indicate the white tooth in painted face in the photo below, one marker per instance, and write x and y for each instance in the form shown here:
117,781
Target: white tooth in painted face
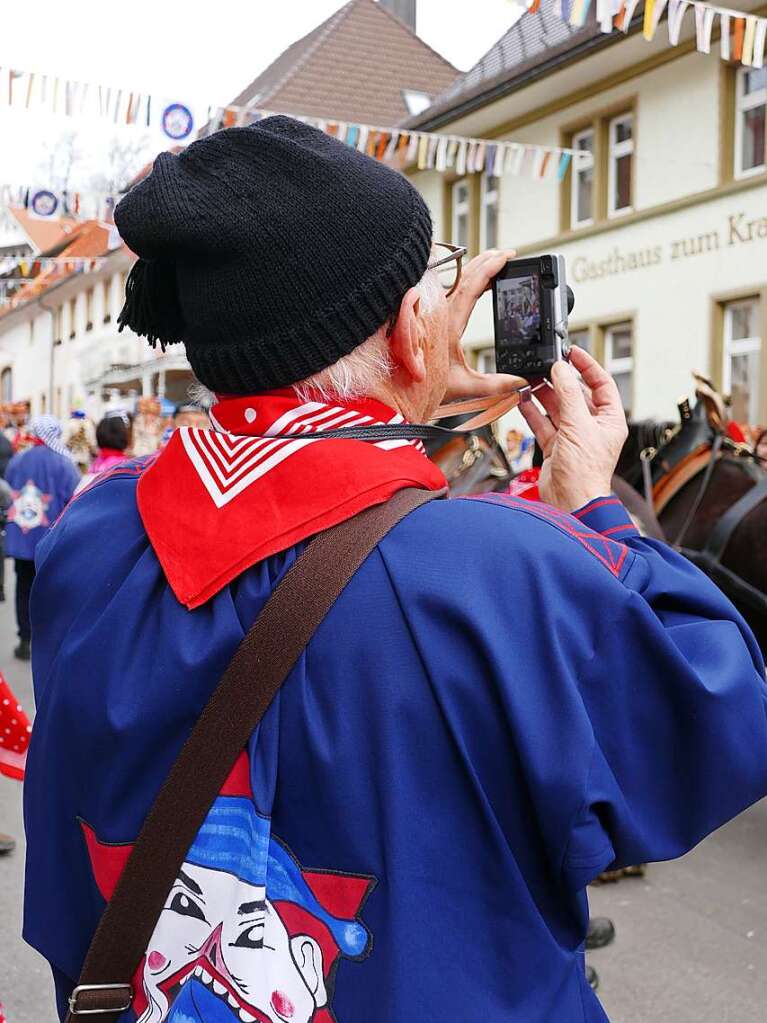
232,1001
206,977
246,1017
219,988
198,971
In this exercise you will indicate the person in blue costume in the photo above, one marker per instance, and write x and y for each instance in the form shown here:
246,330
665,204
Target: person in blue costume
507,699
42,479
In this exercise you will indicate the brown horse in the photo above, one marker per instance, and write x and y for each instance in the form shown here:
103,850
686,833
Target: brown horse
473,463
700,481
709,496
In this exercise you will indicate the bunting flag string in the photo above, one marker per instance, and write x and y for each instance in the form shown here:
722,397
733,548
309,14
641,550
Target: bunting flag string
44,203
178,121
742,36
431,150
32,270
27,264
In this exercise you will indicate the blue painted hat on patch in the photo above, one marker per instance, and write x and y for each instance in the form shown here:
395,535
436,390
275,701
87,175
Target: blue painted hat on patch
237,840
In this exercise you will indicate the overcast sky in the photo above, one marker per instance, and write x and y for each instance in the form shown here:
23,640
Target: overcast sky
206,52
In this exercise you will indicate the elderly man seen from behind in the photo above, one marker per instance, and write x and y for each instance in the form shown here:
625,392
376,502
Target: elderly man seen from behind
505,700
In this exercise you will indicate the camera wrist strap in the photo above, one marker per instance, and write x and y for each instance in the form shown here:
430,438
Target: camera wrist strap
488,409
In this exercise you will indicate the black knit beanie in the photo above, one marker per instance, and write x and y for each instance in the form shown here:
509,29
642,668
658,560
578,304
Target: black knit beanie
271,251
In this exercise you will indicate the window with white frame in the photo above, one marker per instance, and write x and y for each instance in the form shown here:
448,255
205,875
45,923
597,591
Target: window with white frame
461,212
416,101
620,137
582,179
581,337
58,325
742,356
488,233
486,360
750,115
106,299
89,309
619,359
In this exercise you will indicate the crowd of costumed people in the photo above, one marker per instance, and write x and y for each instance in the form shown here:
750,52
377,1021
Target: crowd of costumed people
43,463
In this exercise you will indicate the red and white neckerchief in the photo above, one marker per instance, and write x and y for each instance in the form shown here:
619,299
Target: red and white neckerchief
215,502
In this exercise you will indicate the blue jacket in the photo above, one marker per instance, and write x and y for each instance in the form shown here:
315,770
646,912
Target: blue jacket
504,702
42,482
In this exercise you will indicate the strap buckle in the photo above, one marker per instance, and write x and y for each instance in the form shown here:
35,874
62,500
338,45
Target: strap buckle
83,989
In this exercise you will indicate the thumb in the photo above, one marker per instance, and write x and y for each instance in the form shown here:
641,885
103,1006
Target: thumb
572,400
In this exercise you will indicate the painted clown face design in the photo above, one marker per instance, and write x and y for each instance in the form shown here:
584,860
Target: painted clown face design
29,508
226,935
246,933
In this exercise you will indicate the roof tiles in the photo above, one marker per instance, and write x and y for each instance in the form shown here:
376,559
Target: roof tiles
532,43
44,234
352,67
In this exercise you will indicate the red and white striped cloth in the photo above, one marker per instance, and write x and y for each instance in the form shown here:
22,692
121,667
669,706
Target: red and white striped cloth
14,737
525,484
215,502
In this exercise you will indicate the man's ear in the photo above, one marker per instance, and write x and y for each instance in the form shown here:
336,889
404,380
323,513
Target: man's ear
308,958
405,341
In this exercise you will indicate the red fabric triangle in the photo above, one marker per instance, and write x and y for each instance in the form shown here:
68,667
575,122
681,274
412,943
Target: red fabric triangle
342,895
216,502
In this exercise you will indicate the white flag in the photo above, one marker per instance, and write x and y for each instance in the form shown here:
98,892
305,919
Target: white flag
515,155
460,162
725,40
631,6
704,21
676,12
441,162
757,57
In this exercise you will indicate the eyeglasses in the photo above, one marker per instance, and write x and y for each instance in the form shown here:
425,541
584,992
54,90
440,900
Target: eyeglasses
448,269
448,265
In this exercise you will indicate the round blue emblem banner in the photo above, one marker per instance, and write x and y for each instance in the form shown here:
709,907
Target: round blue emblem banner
44,203
177,121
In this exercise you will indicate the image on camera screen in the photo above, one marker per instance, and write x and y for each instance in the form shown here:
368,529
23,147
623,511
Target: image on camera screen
519,309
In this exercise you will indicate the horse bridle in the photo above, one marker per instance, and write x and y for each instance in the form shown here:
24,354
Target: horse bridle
709,559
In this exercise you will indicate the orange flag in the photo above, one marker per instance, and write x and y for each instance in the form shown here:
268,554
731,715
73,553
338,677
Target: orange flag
739,29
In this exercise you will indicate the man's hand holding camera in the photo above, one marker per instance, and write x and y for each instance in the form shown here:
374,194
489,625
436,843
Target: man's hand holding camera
581,436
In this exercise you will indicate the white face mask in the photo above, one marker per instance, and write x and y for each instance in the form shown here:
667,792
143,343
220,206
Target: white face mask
225,935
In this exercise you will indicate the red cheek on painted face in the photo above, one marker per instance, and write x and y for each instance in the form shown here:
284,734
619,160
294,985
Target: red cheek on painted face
156,961
282,1005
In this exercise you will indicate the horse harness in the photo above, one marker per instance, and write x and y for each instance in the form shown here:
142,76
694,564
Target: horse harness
703,458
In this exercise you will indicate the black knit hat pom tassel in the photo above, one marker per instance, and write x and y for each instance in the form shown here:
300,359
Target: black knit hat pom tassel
152,308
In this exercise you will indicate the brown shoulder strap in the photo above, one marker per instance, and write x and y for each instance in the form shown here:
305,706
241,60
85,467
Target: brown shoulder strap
257,670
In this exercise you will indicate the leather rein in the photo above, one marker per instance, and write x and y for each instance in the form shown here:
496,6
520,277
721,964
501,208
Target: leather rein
709,559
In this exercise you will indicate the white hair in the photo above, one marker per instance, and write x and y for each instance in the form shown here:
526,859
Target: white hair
369,365
201,395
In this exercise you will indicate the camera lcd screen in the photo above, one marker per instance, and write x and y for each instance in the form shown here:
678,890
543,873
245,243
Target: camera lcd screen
519,310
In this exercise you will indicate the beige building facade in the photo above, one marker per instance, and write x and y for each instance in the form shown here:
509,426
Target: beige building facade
63,349
663,223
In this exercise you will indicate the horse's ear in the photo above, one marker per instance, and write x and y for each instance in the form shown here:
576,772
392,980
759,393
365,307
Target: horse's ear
716,411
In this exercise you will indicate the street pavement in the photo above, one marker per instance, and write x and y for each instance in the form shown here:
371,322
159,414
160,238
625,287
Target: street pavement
691,945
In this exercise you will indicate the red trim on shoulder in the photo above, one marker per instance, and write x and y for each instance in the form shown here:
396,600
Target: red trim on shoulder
595,504
610,553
